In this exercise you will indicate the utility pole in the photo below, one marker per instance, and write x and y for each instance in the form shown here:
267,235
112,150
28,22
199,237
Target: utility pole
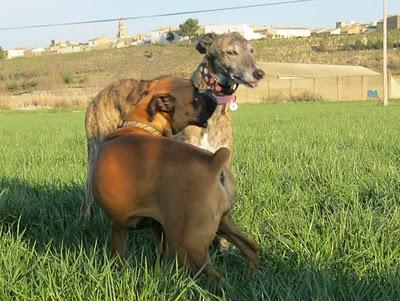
385,75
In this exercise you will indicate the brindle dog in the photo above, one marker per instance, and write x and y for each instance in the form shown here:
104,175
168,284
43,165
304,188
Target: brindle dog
228,61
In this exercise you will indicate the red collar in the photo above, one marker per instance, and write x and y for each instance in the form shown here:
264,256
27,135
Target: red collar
213,84
226,99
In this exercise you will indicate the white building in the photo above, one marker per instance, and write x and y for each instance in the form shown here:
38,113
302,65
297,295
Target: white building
160,35
289,32
13,53
245,30
38,50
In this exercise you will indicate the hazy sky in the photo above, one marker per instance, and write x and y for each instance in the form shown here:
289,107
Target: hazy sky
319,13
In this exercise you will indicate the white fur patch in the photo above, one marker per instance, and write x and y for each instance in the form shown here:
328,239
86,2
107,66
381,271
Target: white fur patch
204,143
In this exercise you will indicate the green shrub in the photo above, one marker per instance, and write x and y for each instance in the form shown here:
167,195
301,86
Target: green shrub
29,85
12,87
68,78
358,45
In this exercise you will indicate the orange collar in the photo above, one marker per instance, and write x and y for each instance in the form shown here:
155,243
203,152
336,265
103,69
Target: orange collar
141,125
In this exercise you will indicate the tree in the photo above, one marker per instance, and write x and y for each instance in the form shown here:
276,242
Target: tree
2,53
170,36
188,28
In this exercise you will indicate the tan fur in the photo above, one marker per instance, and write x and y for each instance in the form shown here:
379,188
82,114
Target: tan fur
113,104
141,180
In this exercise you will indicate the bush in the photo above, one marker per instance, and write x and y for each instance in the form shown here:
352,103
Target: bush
68,78
29,85
323,46
358,45
2,53
12,87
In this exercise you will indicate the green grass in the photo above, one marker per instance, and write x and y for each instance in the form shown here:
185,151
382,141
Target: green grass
319,189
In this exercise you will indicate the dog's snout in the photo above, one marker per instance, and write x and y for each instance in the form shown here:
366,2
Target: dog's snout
258,74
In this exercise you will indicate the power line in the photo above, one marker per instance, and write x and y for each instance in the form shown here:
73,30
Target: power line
156,15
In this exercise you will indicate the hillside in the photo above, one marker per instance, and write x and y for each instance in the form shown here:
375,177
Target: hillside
93,70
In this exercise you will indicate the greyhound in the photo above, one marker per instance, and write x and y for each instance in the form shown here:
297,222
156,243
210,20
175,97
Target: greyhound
227,62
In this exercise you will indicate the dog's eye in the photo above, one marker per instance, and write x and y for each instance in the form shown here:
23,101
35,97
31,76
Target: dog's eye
232,52
222,178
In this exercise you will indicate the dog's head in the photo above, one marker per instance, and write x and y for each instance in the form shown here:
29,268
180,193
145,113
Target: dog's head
181,103
231,58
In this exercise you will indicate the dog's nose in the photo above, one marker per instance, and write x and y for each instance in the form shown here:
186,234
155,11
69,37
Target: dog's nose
258,74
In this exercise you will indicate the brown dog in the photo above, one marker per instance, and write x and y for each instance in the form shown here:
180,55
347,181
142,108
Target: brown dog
183,103
182,192
227,62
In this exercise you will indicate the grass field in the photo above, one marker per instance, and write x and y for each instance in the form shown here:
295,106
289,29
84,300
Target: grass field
319,189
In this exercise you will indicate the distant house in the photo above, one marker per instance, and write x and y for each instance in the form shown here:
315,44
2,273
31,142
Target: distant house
393,22
325,31
101,42
160,35
284,32
70,49
351,27
14,53
245,30
38,50
141,39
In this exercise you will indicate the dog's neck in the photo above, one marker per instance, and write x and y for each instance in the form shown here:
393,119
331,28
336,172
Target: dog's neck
138,120
224,94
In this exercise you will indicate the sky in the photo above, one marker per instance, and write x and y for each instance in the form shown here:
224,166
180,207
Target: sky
314,14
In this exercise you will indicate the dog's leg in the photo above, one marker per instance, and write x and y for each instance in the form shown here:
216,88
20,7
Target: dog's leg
231,232
118,241
159,237
192,246
196,256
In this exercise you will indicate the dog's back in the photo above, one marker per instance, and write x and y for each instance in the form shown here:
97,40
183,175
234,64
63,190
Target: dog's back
138,175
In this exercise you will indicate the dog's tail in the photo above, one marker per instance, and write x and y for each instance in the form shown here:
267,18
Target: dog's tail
91,128
220,159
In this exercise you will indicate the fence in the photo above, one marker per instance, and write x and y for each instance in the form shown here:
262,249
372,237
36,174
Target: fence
329,88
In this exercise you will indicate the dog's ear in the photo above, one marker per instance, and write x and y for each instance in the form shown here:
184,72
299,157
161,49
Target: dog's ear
161,103
220,159
205,41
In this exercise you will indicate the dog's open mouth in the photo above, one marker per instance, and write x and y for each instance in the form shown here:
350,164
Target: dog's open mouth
241,81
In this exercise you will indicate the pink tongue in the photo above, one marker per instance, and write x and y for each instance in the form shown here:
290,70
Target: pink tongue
223,100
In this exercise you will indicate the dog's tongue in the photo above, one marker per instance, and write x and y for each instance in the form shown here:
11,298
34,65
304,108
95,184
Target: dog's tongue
218,88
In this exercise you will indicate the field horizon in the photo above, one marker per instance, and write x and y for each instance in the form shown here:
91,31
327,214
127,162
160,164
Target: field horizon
65,80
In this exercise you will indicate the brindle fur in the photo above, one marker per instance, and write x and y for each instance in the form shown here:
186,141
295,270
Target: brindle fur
230,60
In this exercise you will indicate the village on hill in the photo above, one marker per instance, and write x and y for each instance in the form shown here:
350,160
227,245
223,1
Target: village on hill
170,34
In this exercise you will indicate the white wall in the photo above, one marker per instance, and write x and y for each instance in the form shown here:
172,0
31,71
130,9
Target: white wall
245,30
13,53
290,32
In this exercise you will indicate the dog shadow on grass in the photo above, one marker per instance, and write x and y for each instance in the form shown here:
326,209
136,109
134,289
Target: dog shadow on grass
49,216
